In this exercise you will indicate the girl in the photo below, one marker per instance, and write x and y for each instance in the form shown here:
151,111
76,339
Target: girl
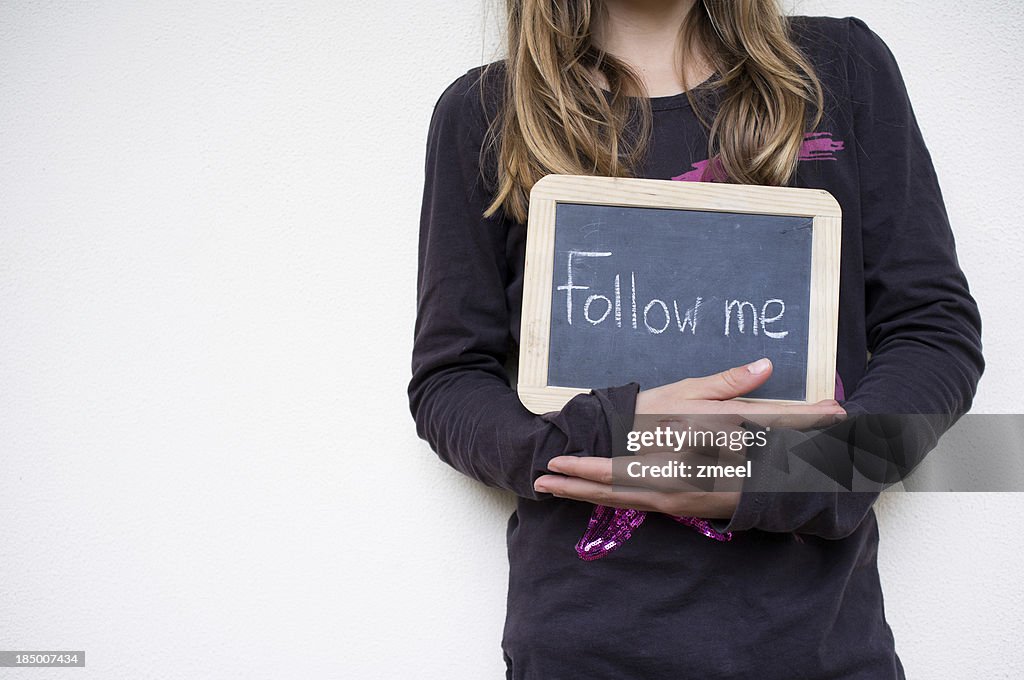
718,90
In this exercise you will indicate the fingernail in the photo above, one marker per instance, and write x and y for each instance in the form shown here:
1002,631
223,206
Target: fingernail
553,465
541,487
759,366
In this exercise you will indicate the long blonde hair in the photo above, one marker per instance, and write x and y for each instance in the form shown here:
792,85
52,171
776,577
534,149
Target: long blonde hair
556,116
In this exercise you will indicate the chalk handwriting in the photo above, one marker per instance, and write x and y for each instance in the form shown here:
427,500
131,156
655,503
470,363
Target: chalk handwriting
658,315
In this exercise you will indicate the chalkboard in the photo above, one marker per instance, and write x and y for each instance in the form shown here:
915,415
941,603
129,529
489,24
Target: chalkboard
654,281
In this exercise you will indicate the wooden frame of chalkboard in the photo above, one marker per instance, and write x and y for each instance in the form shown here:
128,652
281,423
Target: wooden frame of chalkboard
700,199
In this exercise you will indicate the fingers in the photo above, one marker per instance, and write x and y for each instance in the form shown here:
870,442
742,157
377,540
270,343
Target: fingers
589,491
587,467
667,472
800,416
713,504
711,413
581,489
729,384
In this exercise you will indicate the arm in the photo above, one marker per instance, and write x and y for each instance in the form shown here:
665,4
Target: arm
460,394
924,330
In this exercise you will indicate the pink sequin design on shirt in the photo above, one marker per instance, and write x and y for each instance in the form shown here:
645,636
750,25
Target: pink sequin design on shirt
817,146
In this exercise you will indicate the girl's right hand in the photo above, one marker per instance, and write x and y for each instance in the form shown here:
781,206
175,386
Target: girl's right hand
716,394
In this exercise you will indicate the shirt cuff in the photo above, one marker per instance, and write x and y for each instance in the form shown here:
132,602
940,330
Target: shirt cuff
619,406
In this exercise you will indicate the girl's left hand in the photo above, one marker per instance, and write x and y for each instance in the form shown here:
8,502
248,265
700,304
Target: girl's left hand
590,479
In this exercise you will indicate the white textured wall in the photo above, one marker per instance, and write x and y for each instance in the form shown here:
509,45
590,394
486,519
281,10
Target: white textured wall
204,474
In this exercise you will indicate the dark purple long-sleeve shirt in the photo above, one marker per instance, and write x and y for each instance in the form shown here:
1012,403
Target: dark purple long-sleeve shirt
796,593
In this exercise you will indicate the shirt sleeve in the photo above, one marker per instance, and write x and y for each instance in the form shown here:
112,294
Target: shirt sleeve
923,326
460,393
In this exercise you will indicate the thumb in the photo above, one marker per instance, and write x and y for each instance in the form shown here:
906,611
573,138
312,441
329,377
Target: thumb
734,382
